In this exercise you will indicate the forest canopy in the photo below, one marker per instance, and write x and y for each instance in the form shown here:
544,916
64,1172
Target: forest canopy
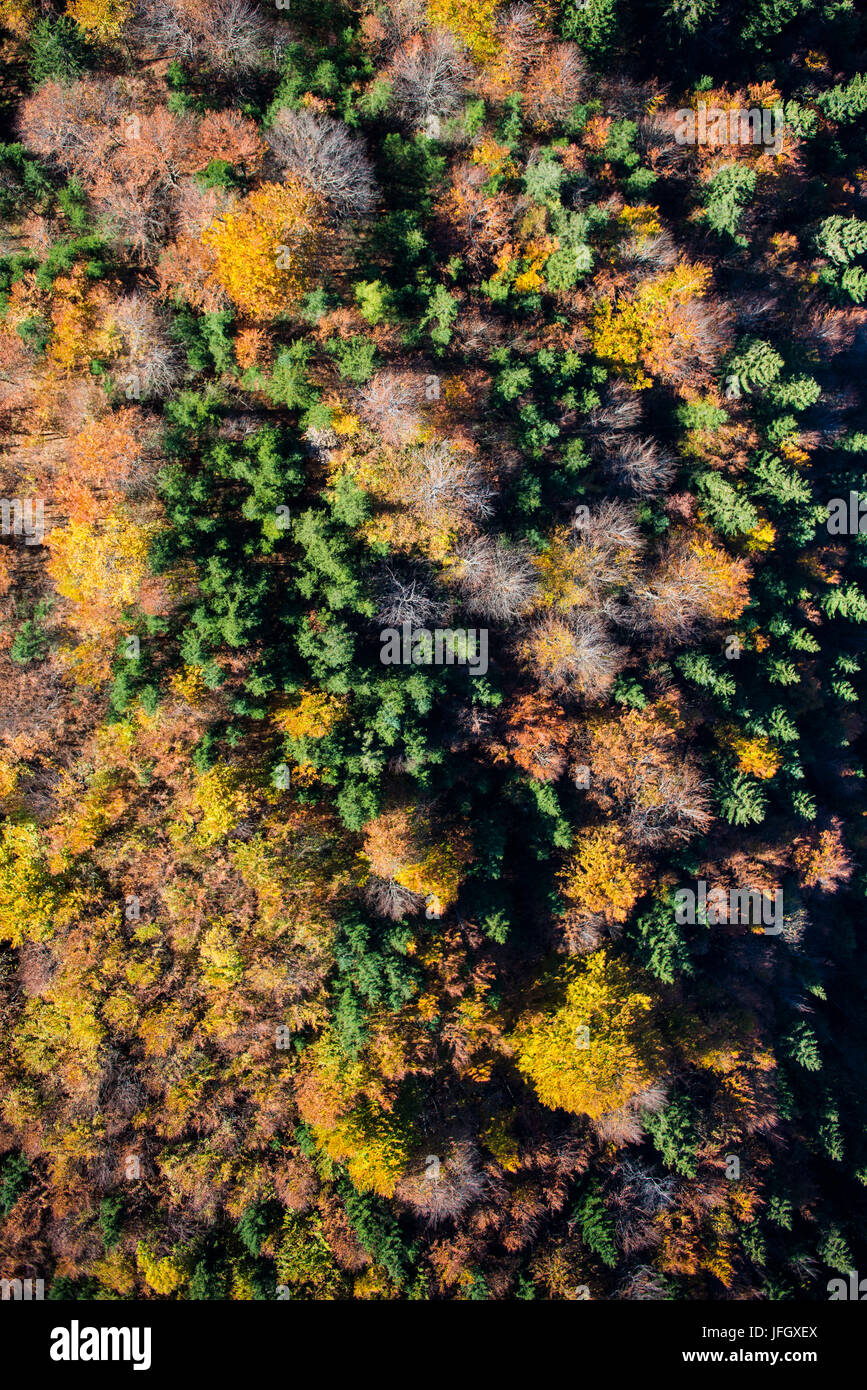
432,841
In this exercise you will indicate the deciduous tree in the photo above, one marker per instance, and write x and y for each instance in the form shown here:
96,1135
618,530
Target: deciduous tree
265,251
595,1045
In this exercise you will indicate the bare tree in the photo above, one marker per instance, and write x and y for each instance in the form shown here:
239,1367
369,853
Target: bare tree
703,331
684,590
619,411
626,97
583,932
606,545
614,523
596,659
159,23
138,218
640,464
322,152
390,402
404,597
619,1127
638,1196
644,1284
127,158
429,75
555,85
196,208
402,19
476,333
149,358
759,309
76,126
442,480
496,579
669,803
656,139
646,253
520,35
639,1186
229,35
447,1184
390,899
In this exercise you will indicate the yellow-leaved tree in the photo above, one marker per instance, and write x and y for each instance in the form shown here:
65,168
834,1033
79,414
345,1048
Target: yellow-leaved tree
755,755
473,21
594,1046
164,1274
101,19
265,251
601,876
17,16
101,567
373,1143
656,331
29,899
221,797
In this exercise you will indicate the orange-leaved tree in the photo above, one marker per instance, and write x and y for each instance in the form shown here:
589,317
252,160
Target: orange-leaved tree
402,847
695,581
